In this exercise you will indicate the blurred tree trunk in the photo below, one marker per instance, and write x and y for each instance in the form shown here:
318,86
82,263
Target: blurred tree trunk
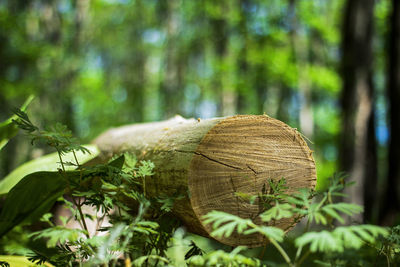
135,64
220,38
357,148
300,48
171,87
243,65
284,95
66,69
390,206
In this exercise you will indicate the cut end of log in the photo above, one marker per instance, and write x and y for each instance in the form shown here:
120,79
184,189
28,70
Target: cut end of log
238,155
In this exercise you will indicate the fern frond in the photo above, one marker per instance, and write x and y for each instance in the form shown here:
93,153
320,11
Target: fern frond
225,223
268,231
277,212
222,258
353,237
346,208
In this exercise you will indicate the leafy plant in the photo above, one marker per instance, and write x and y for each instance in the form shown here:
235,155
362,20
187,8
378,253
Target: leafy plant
106,187
141,231
318,208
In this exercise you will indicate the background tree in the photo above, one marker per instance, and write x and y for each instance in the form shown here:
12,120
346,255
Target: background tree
358,152
103,63
391,201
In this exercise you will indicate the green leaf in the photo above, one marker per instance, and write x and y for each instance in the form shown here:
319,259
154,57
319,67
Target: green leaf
20,261
33,196
141,260
268,231
145,168
48,162
322,241
58,234
8,129
341,238
225,223
277,212
222,258
347,208
117,162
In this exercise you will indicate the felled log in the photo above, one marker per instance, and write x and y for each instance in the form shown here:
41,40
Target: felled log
210,161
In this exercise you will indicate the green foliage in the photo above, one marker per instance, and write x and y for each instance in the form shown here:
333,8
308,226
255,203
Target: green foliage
58,234
8,129
347,237
58,137
222,258
30,198
48,162
142,232
226,223
106,187
318,208
17,261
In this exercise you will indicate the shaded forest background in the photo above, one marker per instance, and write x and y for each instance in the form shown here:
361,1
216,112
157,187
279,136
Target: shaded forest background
328,68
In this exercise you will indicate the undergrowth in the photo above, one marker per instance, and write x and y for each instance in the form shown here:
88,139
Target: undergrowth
133,229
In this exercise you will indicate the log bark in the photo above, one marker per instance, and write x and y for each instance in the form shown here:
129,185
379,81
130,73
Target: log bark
210,160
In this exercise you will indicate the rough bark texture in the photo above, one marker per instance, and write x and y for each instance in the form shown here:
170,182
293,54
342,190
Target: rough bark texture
209,161
357,99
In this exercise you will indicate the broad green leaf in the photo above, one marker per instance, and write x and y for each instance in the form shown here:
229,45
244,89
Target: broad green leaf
20,261
118,162
33,196
48,162
8,129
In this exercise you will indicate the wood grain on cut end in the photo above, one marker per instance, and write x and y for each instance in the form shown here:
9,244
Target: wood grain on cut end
239,155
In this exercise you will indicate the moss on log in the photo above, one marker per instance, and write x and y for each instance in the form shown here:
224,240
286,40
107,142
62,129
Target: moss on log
209,161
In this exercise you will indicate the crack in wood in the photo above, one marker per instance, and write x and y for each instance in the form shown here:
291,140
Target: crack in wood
207,157
248,166
217,161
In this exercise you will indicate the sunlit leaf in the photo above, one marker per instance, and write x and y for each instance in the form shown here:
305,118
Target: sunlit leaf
8,129
20,261
48,162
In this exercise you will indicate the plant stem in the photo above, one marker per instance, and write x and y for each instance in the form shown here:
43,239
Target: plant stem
62,163
281,251
76,160
276,245
298,253
321,203
303,258
263,251
82,217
